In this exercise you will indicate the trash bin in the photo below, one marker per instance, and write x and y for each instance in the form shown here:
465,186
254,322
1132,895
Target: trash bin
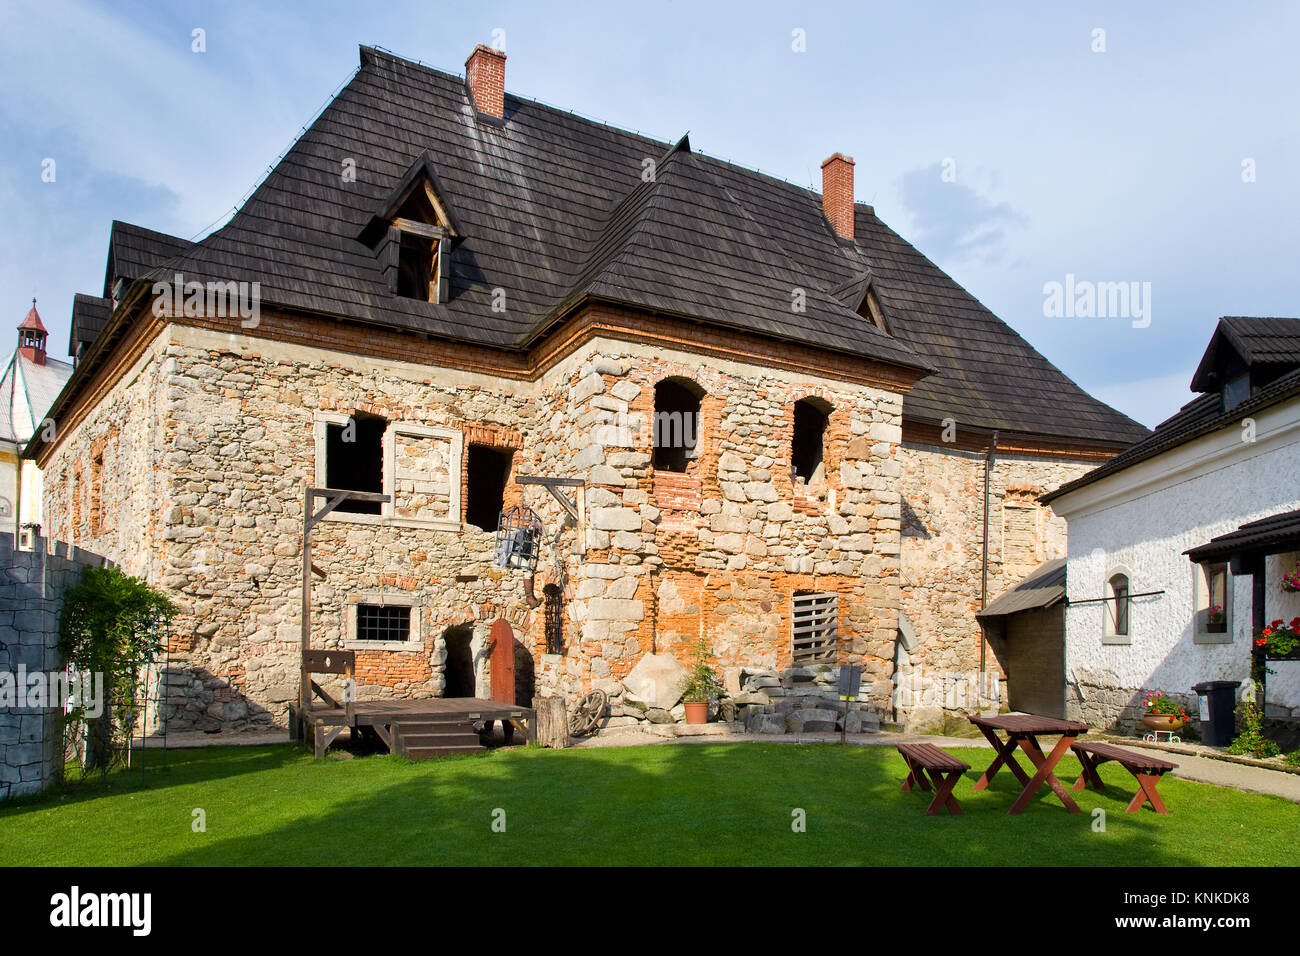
1218,711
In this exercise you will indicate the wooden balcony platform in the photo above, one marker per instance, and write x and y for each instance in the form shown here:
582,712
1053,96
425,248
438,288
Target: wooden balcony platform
323,722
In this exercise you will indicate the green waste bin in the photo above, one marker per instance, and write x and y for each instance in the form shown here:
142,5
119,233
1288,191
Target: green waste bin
1217,707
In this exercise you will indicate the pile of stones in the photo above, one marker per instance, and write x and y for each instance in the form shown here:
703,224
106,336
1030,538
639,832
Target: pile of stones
799,700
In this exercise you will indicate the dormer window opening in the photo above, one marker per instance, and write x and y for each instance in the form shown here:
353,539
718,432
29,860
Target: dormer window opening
1236,391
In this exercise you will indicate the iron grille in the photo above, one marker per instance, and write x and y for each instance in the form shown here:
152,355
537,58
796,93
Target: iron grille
380,622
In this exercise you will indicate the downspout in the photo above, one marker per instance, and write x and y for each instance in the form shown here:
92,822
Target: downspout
984,565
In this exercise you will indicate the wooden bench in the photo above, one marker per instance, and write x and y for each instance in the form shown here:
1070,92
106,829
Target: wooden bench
943,770
1147,769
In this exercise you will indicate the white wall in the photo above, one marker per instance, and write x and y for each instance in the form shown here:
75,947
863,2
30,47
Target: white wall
1140,521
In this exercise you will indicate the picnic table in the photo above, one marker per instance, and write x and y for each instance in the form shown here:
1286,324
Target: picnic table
1022,730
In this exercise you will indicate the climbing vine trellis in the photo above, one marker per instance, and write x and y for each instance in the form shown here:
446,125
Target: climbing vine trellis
115,628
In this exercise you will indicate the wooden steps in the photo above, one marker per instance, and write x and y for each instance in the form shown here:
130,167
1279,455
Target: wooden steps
422,739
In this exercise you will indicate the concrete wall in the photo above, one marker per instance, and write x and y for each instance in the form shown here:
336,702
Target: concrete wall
1141,521
32,585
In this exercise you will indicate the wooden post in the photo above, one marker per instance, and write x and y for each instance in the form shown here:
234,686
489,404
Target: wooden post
304,679
335,497
552,728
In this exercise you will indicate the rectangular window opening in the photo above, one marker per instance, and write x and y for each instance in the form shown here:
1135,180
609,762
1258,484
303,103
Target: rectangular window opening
354,460
1215,606
417,268
487,472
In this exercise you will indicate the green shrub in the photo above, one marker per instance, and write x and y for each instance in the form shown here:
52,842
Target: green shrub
112,624
1250,740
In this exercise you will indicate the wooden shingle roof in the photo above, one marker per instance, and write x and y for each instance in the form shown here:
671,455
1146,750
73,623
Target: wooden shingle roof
89,316
554,210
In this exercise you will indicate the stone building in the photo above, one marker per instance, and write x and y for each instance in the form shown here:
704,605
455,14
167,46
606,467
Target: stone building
778,408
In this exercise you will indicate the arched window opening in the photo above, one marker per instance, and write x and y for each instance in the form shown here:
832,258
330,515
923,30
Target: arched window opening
676,424
808,440
554,598
1117,607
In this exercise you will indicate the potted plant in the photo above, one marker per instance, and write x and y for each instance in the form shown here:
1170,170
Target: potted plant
1291,581
701,687
1215,617
1163,713
1278,641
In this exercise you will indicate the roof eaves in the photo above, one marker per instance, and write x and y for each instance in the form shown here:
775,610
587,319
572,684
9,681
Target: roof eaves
1167,439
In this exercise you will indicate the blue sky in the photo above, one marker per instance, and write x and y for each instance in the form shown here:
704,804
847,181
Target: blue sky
1123,165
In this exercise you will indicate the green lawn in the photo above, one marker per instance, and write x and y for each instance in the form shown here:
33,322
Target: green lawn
666,804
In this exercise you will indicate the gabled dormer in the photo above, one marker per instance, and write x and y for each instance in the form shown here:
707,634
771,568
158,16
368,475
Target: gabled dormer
859,294
413,234
1246,354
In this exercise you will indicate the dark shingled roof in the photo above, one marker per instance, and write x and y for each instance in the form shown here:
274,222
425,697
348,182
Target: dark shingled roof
134,251
1043,587
89,316
1205,414
1258,342
553,209
1272,535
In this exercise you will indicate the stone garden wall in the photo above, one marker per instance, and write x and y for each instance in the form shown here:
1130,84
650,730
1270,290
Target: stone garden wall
32,585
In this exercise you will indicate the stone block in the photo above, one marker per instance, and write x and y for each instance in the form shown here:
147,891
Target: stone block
656,679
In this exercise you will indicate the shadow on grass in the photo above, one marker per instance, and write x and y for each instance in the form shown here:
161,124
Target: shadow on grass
670,804
693,804
155,771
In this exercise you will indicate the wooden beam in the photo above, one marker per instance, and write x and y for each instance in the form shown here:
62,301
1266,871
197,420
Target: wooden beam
335,496
420,229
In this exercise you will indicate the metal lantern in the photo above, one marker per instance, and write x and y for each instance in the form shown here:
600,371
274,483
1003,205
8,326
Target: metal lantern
519,539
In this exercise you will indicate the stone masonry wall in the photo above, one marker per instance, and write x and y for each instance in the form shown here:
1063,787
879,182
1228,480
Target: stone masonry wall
943,515
718,551
32,585
212,440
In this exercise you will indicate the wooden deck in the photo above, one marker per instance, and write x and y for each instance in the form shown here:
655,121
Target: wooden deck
322,723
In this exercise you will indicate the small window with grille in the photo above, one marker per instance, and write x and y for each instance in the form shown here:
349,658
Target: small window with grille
814,627
388,623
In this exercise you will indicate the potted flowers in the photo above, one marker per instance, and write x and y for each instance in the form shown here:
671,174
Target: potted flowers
700,687
1162,712
1280,639
1215,617
1291,581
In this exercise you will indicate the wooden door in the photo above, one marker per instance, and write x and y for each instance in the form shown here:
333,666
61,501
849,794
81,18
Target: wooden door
503,662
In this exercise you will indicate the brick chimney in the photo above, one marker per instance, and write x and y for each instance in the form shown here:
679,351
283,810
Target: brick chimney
837,194
32,336
485,72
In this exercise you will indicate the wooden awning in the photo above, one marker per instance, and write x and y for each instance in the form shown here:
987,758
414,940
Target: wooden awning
1043,587
1275,534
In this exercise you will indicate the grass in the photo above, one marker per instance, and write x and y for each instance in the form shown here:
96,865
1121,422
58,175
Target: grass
667,804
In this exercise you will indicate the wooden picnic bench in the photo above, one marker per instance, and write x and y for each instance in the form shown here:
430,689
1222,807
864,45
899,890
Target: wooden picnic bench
943,768
1147,769
1022,731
